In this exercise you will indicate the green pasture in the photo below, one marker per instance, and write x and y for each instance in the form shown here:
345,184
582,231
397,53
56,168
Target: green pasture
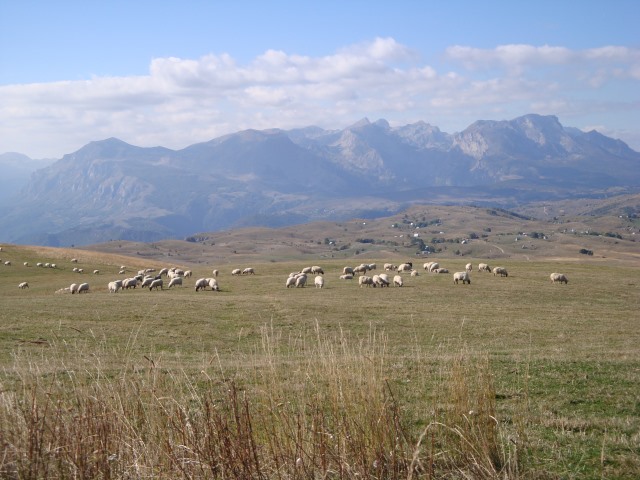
564,359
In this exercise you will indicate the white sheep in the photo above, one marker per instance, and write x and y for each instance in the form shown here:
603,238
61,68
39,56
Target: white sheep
468,267
500,271
130,283
122,272
114,286
462,276
372,266
318,281
83,287
559,278
175,281
236,271
201,284
187,274
405,267
390,267
74,260
316,270
301,281
23,285
215,272
433,267
348,271
427,265
53,265
146,281
483,267
248,271
96,272
397,281
73,288
365,280
362,268
156,284
382,280
39,264
306,270
291,281
415,273
213,283
346,276
7,263
26,264
164,271
441,270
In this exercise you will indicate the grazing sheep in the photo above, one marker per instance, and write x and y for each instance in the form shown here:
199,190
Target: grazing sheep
433,267
390,267
73,288
130,283
316,270
96,272
23,285
74,260
483,267
559,278
83,287
362,268
115,286
187,274
365,280
175,281
39,264
414,273
53,265
318,281
383,280
301,281
291,281
468,267
248,271
500,271
26,264
7,263
201,284
215,273
397,281
427,265
156,284
146,281
348,271
441,270
462,276
213,283
372,266
346,276
122,272
236,271
405,267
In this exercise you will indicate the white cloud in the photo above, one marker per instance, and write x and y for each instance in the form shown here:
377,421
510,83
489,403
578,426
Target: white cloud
184,101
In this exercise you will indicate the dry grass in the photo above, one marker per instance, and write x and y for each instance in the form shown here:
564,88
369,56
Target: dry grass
504,378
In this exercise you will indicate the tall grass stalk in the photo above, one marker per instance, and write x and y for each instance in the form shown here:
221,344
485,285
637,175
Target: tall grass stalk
311,406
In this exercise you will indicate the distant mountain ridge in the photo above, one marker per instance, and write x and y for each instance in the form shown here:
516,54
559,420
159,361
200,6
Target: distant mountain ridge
112,190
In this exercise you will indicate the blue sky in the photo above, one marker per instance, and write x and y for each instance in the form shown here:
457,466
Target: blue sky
176,73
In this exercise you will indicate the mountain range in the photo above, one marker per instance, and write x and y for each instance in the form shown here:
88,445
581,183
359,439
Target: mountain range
109,190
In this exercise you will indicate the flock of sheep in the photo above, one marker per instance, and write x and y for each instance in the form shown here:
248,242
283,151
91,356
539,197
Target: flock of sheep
149,278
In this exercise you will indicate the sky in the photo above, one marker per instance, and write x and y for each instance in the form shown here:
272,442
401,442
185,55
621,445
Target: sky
168,73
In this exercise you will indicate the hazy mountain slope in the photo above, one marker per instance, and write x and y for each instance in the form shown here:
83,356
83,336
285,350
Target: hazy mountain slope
112,190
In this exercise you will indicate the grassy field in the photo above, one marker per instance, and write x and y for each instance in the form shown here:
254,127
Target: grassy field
504,378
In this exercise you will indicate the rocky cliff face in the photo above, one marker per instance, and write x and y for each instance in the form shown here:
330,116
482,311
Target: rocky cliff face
110,190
